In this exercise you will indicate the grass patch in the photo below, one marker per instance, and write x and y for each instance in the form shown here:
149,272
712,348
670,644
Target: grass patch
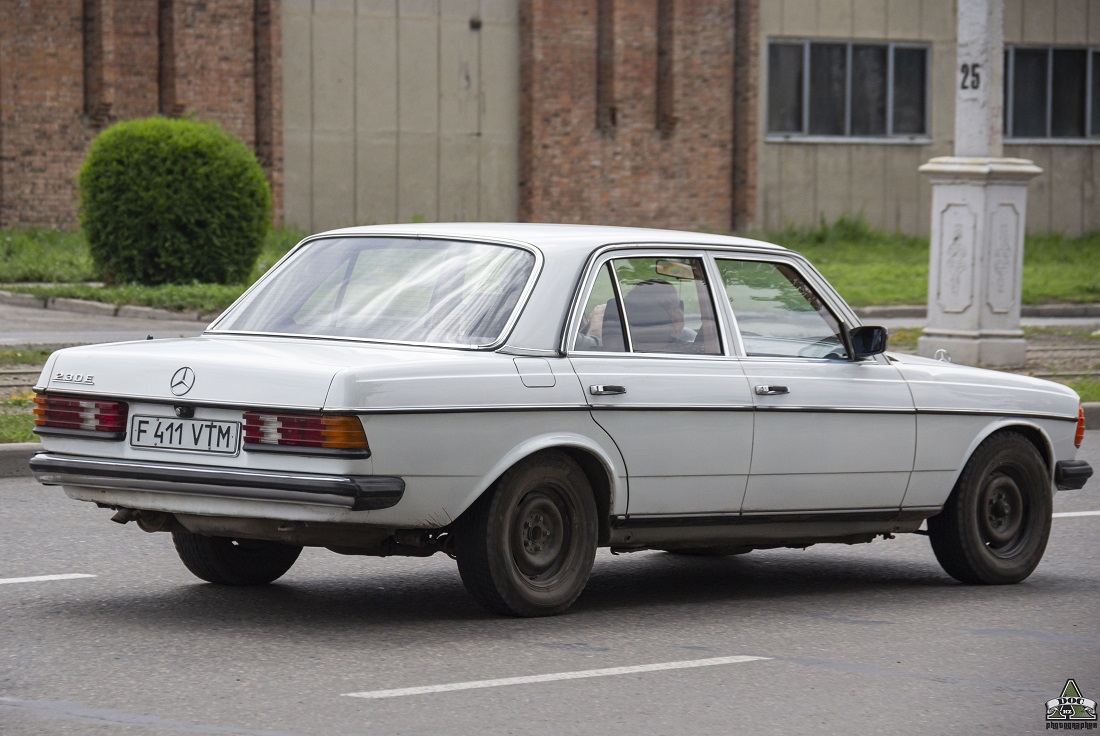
904,340
16,419
60,257
33,356
41,254
1061,269
1087,388
179,297
870,267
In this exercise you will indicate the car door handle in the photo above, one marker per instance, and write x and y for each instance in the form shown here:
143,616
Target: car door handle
598,389
771,390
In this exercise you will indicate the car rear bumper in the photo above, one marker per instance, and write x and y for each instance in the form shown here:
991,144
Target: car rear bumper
1069,475
350,492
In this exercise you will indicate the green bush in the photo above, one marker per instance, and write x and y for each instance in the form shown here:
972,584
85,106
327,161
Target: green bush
172,201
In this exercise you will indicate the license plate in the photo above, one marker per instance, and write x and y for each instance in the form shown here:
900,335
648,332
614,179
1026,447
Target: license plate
193,435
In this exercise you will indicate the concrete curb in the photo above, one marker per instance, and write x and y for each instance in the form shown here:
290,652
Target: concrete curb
910,311
1092,415
14,458
103,309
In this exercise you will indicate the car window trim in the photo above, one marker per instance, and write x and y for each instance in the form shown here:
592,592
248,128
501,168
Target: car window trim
813,283
502,338
604,256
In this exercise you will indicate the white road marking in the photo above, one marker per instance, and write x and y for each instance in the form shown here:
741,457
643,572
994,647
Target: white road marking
45,578
578,675
1065,514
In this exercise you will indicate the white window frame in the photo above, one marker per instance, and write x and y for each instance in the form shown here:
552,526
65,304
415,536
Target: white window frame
889,137
1090,138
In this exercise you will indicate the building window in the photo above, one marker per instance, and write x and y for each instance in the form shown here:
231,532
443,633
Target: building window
847,89
1052,92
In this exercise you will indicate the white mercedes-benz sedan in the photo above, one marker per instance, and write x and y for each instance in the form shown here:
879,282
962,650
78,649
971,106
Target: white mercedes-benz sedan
518,395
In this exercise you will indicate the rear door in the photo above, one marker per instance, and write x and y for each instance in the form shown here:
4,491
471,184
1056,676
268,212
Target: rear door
648,350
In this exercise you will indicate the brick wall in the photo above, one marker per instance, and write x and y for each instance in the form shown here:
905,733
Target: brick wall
69,68
668,165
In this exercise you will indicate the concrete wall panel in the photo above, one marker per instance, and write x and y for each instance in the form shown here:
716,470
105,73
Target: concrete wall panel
771,18
1094,23
800,18
869,19
834,18
297,41
868,190
771,191
833,182
903,19
937,20
333,116
1038,21
1014,20
400,110
1090,191
376,113
1067,171
1071,21
798,183
902,191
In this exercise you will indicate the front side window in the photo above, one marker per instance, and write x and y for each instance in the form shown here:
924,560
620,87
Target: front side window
1052,92
778,314
406,290
847,89
649,305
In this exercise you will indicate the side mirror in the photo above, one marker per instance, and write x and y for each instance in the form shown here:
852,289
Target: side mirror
867,341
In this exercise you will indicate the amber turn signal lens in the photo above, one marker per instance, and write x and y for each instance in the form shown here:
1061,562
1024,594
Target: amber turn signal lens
305,431
1080,436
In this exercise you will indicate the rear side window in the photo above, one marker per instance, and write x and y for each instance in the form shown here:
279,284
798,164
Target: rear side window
650,305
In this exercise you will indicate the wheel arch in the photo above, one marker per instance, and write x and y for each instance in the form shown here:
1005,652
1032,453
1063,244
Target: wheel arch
1031,431
604,470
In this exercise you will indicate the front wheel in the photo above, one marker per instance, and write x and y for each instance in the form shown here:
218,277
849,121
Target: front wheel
234,561
527,546
994,528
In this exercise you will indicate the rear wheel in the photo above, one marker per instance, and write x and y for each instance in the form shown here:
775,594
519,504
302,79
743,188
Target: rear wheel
995,525
229,561
526,547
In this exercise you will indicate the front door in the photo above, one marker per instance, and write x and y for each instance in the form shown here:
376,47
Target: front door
831,434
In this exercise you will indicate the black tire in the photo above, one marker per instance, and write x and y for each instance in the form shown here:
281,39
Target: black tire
526,547
227,561
994,528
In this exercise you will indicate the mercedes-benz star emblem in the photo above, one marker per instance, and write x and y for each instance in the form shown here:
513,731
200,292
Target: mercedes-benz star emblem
182,381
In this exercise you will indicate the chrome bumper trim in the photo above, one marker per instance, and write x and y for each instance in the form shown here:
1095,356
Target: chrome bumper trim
352,492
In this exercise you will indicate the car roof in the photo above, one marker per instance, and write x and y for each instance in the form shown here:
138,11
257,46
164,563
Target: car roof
553,237
565,249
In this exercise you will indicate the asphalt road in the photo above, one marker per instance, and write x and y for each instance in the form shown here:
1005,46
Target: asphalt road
868,639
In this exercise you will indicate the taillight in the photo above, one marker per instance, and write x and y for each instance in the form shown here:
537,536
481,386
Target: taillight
341,435
79,417
1080,436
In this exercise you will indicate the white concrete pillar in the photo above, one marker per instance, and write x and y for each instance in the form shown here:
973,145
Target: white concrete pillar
979,201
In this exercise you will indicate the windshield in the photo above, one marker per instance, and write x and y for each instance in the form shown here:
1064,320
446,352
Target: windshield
440,292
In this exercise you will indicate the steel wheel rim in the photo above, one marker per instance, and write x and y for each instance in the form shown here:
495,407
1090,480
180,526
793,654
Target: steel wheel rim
1002,514
540,538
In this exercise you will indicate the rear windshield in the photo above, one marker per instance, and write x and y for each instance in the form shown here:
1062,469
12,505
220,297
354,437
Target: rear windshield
439,292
